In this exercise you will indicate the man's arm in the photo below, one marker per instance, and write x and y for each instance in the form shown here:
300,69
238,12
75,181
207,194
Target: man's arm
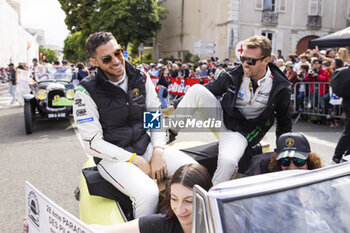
157,162
283,113
87,117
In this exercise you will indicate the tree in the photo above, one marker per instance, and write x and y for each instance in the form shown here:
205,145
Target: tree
74,47
50,55
78,13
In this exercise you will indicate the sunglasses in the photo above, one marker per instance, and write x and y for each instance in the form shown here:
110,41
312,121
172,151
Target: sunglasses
107,59
285,162
251,61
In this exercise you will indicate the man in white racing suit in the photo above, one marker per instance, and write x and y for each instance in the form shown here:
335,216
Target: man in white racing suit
108,109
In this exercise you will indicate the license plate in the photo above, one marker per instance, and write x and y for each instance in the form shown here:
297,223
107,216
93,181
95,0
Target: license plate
56,115
63,101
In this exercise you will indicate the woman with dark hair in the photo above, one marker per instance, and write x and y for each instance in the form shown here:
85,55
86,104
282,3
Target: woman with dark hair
177,206
163,84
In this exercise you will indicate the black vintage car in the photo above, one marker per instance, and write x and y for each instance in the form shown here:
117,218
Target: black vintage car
51,96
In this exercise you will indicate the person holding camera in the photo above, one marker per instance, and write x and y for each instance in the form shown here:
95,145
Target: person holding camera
317,74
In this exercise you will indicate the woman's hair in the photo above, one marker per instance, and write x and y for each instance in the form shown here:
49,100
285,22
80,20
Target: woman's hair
80,66
162,71
187,175
313,162
338,63
21,66
343,54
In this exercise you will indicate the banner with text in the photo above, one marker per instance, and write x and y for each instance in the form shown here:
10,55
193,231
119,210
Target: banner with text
179,86
43,215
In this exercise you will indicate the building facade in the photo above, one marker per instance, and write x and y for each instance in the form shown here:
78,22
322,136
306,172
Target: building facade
290,24
17,45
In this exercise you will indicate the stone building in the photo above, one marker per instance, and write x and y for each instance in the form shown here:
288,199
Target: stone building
290,24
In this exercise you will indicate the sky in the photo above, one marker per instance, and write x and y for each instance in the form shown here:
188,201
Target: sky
46,15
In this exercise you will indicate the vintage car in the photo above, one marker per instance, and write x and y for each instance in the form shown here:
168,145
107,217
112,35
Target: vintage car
51,95
287,201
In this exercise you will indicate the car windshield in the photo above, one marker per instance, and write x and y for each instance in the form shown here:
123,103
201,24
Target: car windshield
320,207
46,73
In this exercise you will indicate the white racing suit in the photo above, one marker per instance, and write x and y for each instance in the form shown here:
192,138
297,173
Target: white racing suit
114,166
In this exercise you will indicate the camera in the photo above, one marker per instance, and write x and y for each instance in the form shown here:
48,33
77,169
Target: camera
301,75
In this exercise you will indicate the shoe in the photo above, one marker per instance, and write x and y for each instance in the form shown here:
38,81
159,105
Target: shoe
337,160
170,136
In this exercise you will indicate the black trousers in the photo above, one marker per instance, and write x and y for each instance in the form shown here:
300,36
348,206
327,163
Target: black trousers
343,145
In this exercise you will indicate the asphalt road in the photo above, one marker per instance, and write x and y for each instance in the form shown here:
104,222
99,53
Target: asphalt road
51,158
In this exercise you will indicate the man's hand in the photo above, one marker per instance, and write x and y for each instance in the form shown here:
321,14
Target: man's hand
158,165
142,163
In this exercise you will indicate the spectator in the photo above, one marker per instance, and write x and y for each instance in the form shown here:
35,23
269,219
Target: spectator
226,63
211,71
82,72
328,56
304,69
343,54
292,59
279,55
174,71
153,72
317,74
184,71
293,152
273,58
64,62
163,84
219,69
291,74
197,74
204,72
280,64
12,78
302,61
56,63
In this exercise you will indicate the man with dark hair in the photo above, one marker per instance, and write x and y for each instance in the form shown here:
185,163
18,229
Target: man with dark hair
252,95
108,109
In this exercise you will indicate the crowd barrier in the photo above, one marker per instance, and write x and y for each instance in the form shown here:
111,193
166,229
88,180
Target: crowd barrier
316,100
179,86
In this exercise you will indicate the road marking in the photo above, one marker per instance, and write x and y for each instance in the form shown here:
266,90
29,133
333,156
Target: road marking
74,126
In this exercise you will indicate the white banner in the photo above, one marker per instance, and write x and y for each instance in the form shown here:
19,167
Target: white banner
43,215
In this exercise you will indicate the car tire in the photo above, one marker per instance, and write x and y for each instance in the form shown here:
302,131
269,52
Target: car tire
28,117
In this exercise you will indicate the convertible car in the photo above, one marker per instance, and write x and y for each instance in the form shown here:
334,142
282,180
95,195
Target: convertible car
51,95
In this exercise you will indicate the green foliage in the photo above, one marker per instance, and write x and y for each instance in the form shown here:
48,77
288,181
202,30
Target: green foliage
166,59
74,47
78,13
128,20
48,53
146,58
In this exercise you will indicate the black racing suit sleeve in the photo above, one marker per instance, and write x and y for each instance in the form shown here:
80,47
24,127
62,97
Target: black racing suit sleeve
283,113
219,86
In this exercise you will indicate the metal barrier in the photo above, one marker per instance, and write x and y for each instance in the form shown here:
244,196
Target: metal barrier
313,99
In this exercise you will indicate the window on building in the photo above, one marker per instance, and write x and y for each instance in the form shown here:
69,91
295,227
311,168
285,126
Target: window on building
271,5
315,7
268,35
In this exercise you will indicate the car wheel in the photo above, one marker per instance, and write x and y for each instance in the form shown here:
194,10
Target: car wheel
28,117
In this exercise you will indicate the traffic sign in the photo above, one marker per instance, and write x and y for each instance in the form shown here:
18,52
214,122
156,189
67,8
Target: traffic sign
204,44
125,54
239,49
203,51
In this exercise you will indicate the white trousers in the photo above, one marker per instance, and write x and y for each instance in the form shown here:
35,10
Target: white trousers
131,181
231,144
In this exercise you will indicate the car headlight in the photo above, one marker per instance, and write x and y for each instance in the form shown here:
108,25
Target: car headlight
70,94
41,94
